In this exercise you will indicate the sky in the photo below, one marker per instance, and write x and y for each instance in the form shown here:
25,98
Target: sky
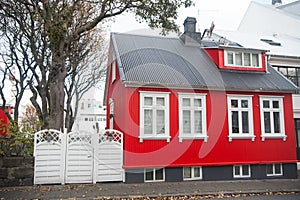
226,15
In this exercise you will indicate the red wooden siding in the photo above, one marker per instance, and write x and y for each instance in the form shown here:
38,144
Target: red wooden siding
216,151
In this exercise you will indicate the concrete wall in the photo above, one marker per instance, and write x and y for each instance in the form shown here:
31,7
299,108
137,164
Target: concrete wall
16,171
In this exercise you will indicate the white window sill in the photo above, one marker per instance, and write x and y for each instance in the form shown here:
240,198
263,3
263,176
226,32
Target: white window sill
192,179
241,176
241,137
167,138
193,137
273,136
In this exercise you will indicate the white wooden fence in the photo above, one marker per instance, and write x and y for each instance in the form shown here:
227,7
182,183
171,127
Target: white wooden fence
78,157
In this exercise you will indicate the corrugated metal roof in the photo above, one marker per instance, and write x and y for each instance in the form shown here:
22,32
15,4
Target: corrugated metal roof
152,60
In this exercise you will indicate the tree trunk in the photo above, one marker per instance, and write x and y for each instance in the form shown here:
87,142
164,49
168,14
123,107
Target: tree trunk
56,93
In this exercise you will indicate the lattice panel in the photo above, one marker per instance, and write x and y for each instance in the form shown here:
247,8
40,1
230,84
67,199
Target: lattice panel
79,138
49,136
109,136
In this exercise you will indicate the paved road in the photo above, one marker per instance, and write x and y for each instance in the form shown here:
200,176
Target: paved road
144,190
295,196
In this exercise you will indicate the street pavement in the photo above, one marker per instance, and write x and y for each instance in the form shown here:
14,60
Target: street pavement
158,190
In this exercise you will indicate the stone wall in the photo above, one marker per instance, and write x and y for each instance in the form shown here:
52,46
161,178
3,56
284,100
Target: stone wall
16,171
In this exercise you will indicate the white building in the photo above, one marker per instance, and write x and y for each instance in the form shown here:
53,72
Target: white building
91,116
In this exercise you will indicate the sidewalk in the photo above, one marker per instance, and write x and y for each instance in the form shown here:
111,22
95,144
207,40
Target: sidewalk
144,190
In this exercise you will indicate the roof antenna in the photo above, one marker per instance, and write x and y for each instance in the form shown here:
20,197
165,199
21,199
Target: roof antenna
198,20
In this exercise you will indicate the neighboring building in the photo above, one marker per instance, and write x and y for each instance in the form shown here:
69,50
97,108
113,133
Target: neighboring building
4,121
190,112
91,116
276,29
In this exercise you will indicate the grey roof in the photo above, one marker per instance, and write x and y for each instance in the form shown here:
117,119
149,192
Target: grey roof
161,61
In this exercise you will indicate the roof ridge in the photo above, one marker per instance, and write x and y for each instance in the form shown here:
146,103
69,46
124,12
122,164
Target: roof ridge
149,36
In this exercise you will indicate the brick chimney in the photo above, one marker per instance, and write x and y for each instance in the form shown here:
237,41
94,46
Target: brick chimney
190,36
276,2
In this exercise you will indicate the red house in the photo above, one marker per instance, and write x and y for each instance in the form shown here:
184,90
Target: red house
195,109
4,121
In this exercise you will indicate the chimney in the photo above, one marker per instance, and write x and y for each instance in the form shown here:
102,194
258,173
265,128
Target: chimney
276,2
190,24
190,36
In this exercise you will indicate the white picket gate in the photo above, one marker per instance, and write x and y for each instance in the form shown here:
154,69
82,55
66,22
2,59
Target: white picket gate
78,157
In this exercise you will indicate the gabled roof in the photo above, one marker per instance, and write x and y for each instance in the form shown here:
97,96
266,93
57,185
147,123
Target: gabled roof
149,61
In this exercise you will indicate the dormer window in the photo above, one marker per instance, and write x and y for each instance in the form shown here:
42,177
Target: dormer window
242,59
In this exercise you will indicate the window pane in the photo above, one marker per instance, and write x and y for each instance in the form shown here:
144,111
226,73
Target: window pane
186,102
238,58
255,62
234,103
245,170
275,104
245,121
149,175
160,101
237,170
247,59
267,122
235,122
159,174
187,172
283,70
276,118
197,172
197,103
244,103
277,168
148,101
269,169
266,104
160,121
186,114
291,71
230,58
198,121
148,116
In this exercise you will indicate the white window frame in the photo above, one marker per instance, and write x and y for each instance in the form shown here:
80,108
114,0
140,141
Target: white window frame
274,171
271,110
192,173
113,71
243,52
240,135
192,108
241,175
154,174
166,108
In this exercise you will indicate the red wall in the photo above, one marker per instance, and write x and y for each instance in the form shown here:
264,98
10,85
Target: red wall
216,151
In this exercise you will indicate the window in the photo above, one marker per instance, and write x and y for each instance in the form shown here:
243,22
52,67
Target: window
192,116
192,173
274,170
113,71
271,116
243,59
82,106
240,117
241,171
292,73
154,115
154,175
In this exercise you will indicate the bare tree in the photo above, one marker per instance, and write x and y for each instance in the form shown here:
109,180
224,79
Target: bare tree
15,56
54,27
